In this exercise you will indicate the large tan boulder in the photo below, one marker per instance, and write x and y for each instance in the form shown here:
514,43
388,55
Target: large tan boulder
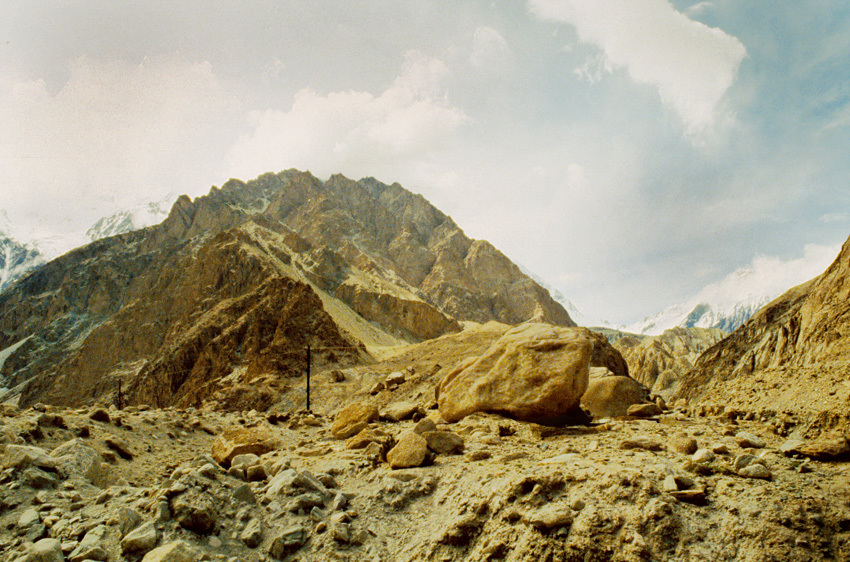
534,372
236,441
353,419
609,397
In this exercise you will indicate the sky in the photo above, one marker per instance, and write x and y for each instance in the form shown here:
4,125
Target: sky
628,152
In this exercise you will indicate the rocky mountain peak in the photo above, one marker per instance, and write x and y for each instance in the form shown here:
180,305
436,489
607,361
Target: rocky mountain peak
167,310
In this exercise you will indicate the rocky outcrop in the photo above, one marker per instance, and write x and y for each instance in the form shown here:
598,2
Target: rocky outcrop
659,362
791,356
534,372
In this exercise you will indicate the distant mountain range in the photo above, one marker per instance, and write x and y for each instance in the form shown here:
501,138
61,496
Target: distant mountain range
723,316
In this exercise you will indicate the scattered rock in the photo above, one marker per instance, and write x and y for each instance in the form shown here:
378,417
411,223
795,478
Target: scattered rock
176,551
288,541
444,442
398,411
142,539
747,440
641,443
353,419
643,410
240,441
682,443
252,534
46,550
703,456
410,451
755,470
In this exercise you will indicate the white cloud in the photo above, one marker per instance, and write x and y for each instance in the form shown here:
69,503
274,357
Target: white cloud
354,132
691,65
768,276
112,133
489,49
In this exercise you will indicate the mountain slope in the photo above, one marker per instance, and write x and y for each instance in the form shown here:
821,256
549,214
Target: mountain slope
794,354
225,294
659,362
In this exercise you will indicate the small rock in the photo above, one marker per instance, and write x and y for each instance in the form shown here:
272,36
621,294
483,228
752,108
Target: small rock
744,460
394,379
424,425
376,388
703,456
479,455
825,449
410,451
755,470
91,547
195,512
252,534
696,496
242,440
177,551
245,494
747,440
643,410
682,443
46,550
28,518
444,442
288,541
142,539
398,411
640,443
353,418
720,449
337,376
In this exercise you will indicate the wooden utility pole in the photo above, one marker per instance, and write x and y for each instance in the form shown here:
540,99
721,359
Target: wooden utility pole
308,378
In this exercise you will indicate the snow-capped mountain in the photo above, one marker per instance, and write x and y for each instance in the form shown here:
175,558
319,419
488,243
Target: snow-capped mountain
28,249
725,317
16,259
732,301
145,213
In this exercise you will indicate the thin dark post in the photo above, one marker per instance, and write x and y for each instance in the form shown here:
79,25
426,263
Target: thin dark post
120,397
308,378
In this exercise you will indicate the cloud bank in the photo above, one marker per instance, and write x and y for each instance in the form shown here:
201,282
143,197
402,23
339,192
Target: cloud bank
690,64
354,132
112,133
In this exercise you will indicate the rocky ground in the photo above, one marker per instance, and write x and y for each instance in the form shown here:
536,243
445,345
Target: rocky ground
144,484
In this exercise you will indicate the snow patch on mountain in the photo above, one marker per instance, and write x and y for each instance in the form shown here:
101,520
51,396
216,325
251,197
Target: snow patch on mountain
143,214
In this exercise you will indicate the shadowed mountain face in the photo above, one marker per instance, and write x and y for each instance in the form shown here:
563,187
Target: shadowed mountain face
217,304
793,355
